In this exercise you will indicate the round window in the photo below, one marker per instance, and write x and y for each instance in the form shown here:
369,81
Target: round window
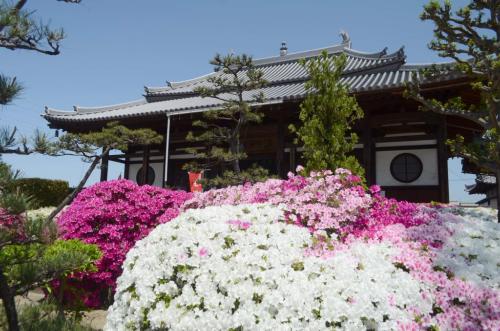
151,176
406,167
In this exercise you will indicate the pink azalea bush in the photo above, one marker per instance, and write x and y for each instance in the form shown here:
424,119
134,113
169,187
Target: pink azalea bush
322,201
11,226
114,215
340,213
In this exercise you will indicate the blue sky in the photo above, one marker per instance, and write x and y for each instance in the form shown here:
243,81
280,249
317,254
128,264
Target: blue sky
115,47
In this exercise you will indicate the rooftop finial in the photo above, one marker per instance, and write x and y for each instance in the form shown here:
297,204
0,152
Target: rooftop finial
283,49
346,40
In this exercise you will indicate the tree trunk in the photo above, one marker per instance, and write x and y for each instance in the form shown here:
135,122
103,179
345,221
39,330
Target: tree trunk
235,151
498,195
8,302
77,189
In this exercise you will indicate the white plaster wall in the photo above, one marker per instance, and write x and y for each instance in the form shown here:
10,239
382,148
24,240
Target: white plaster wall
157,167
429,176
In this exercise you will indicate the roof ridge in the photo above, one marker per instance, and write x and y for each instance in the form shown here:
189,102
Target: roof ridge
291,57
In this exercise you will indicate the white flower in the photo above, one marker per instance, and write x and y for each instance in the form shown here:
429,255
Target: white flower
256,278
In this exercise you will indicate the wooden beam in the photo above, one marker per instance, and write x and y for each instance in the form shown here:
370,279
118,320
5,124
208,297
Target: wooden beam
145,166
166,154
280,148
384,119
368,150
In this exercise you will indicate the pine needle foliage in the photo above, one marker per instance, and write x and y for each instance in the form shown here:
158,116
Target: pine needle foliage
218,133
31,256
470,37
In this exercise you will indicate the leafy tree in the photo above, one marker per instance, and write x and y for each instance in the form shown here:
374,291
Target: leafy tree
30,254
220,129
470,37
327,114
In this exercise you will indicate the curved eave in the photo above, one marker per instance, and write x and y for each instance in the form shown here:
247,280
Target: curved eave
90,110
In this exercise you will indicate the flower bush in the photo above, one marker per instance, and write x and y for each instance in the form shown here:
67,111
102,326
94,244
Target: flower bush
206,271
244,268
356,260
114,215
322,201
42,213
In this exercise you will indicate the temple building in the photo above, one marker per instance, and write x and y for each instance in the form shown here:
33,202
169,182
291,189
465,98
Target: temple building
487,185
401,147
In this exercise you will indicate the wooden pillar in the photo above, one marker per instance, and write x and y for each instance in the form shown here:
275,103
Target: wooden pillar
104,167
126,173
145,165
293,161
442,135
166,155
280,148
368,151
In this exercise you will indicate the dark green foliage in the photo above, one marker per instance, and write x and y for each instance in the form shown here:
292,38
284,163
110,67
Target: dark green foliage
218,135
21,30
11,199
113,136
469,36
229,178
9,89
41,317
43,192
327,114
30,254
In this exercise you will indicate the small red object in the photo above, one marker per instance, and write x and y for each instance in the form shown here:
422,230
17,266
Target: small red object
194,186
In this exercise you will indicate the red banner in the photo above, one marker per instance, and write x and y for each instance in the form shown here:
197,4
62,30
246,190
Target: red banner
194,186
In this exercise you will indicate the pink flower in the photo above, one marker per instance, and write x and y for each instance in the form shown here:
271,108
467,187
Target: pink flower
374,189
203,252
114,215
243,225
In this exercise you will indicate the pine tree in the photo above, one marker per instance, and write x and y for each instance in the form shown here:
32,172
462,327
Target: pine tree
327,115
469,36
30,254
20,30
219,132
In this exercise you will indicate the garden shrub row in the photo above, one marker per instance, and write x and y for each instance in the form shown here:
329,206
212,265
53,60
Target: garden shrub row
44,192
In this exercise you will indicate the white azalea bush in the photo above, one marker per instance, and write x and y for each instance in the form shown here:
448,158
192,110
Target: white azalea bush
472,253
40,213
312,253
238,268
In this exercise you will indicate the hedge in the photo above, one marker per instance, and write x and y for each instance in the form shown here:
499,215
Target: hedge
45,192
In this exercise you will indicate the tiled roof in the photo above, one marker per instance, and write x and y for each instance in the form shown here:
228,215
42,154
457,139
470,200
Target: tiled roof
483,184
286,79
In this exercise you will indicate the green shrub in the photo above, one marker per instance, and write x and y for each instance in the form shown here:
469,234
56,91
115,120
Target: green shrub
44,192
43,316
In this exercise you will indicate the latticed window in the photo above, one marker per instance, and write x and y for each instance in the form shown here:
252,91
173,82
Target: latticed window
406,167
140,177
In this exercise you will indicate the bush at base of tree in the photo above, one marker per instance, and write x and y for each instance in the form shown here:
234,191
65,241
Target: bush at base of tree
251,175
113,215
44,192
